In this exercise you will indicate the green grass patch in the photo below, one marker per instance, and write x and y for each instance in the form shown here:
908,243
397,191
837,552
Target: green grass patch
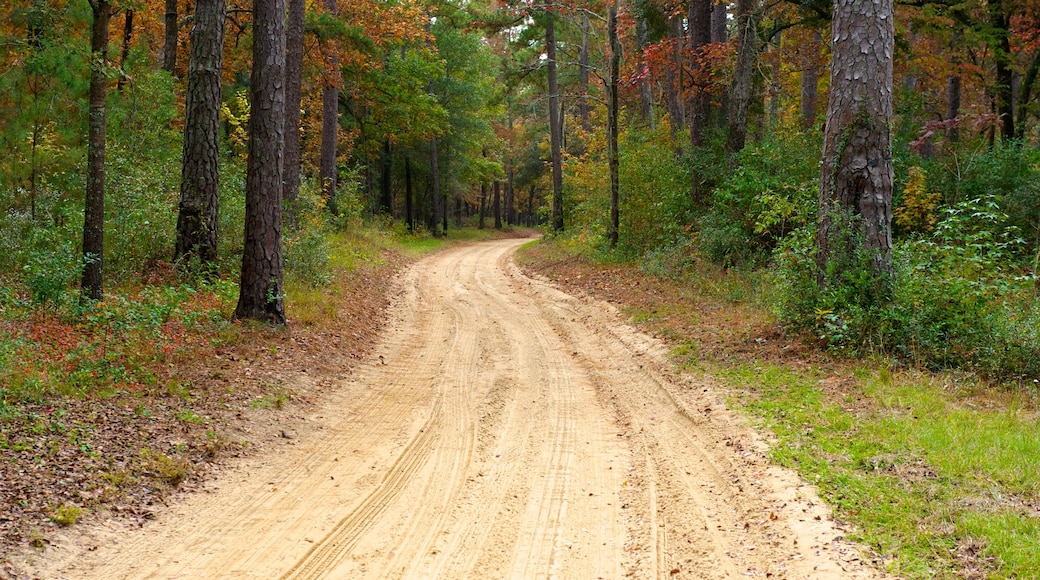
927,474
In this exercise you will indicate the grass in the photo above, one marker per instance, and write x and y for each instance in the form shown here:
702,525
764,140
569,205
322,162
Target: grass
937,473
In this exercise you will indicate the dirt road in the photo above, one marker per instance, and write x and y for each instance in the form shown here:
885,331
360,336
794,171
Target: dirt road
502,429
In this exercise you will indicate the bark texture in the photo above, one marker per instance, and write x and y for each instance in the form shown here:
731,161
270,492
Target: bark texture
294,25
740,90
856,169
810,84
197,211
261,293
94,204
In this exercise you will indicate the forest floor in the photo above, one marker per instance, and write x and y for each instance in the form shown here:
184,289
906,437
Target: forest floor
501,425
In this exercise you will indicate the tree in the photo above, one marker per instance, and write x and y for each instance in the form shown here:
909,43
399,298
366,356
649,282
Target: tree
613,72
856,171
260,291
555,125
170,48
294,29
200,167
740,90
330,114
94,206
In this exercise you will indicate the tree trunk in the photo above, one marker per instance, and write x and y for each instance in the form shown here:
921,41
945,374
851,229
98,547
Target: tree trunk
810,85
293,84
496,204
613,72
408,212
261,293
386,193
510,198
532,212
583,74
197,212
1000,23
646,102
1025,95
128,36
94,206
330,116
555,127
674,83
856,169
699,19
483,206
740,91
170,48
437,200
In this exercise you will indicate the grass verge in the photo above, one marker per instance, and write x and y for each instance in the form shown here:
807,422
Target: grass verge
937,473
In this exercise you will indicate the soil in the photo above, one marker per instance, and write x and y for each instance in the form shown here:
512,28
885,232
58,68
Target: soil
499,428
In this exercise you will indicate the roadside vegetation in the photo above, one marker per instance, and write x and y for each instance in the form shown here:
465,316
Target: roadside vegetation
916,415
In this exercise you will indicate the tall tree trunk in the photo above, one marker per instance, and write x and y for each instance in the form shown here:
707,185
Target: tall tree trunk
856,169
646,97
810,85
294,26
740,90
437,200
583,74
128,36
674,83
94,206
261,293
408,211
386,192
1025,95
1000,24
613,72
555,126
330,116
496,204
170,47
699,20
200,168
532,212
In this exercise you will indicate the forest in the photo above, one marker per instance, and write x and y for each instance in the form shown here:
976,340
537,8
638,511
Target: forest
171,166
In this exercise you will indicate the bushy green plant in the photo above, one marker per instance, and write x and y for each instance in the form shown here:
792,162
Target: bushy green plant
307,245
770,193
655,202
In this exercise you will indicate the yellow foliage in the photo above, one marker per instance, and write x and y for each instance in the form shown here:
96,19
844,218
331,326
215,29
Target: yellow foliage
917,213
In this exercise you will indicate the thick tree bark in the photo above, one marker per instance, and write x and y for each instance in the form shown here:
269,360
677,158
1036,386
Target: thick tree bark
294,25
261,293
699,20
856,170
555,126
330,116
496,204
197,212
613,72
92,284
810,85
740,90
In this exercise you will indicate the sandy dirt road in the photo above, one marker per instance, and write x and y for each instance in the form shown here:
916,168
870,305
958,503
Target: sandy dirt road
501,429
